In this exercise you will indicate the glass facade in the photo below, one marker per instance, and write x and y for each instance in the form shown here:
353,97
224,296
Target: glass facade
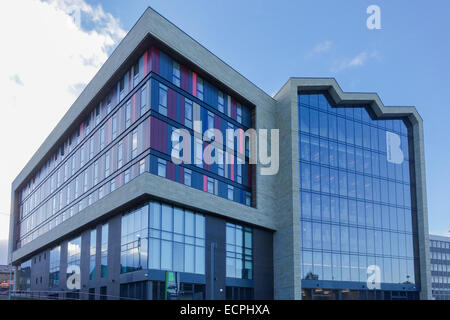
25,276
126,134
164,237
55,256
73,253
92,253
355,194
239,252
104,251
440,267
134,240
176,239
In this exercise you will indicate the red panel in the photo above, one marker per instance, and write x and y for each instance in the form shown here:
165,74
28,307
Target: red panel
145,62
194,84
232,167
205,183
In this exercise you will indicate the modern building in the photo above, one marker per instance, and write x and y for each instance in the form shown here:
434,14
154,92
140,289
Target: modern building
102,199
440,267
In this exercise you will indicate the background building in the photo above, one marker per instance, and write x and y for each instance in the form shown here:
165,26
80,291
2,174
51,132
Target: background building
102,196
440,267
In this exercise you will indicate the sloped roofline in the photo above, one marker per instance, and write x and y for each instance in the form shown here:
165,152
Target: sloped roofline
341,98
154,25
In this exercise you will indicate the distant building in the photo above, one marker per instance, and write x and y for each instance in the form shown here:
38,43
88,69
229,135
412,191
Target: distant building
440,267
4,276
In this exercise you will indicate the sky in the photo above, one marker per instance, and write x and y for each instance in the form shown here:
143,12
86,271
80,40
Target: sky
49,53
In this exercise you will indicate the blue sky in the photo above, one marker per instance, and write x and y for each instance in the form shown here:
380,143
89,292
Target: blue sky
406,62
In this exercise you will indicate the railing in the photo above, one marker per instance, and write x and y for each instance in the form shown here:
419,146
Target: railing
64,295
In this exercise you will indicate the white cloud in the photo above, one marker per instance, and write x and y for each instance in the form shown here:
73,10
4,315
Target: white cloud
321,47
357,61
47,58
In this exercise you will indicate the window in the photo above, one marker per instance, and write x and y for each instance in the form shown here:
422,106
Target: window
107,163
81,156
92,253
161,167
239,173
86,181
136,74
88,126
104,251
108,102
162,99
230,193
121,88
188,113
102,138
143,100
134,240
77,186
142,166
210,185
127,175
200,88
55,254
120,155
113,184
239,253
177,239
103,293
221,167
128,114
198,152
221,102
97,115
134,145
114,126
73,254
176,74
95,172
239,113
187,177
248,199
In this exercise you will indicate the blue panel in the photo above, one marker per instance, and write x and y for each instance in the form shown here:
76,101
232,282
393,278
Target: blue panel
166,66
246,117
223,190
153,164
155,94
210,94
245,174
